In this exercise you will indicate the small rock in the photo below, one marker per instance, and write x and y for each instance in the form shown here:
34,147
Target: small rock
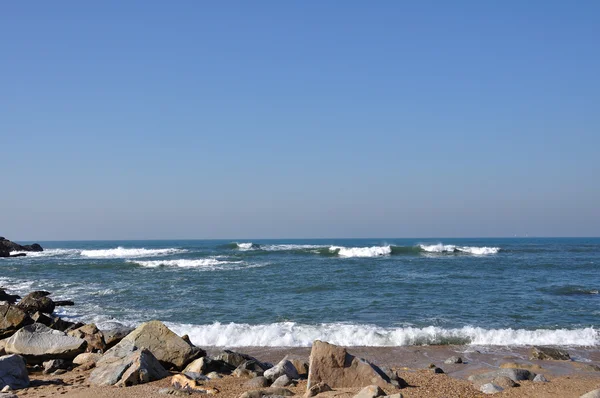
13,372
504,382
59,372
591,394
6,388
370,392
437,370
181,382
317,389
453,359
86,357
196,376
540,379
55,364
267,392
549,353
490,388
284,367
282,381
257,382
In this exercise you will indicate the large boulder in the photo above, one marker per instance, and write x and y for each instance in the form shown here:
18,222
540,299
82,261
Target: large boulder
38,343
37,301
8,246
339,369
513,374
170,349
91,334
12,318
126,365
13,372
549,353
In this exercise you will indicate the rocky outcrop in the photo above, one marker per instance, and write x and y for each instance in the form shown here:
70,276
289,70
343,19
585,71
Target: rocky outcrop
170,349
38,343
336,367
6,247
93,337
12,318
37,301
8,298
13,372
549,353
126,365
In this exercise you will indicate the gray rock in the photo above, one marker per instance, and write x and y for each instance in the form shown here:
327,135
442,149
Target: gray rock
87,357
214,375
55,364
271,391
504,382
126,365
114,332
591,394
453,359
250,369
196,376
540,379
206,365
282,381
370,392
317,389
257,382
13,372
513,374
234,359
284,367
38,342
490,388
549,353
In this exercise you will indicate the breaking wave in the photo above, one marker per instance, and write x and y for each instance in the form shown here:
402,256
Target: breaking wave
440,248
374,251
121,252
205,264
291,334
49,252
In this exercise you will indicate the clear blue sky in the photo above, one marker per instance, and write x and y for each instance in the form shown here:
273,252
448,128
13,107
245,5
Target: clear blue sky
283,119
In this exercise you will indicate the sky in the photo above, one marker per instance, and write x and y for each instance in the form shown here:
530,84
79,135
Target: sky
299,119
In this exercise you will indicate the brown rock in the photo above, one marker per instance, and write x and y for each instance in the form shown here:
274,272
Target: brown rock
37,301
504,382
370,392
549,353
333,365
12,318
182,383
91,334
317,389
301,366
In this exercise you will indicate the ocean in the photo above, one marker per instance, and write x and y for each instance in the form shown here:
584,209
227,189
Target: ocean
352,292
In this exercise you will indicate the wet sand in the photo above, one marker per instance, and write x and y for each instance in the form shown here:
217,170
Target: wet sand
566,378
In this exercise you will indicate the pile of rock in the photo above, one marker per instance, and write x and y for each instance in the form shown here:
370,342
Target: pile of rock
6,247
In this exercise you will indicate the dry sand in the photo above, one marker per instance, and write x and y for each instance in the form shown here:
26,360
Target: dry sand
567,378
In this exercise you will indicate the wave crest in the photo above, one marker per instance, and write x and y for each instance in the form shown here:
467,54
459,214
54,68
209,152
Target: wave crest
121,252
374,251
440,248
208,263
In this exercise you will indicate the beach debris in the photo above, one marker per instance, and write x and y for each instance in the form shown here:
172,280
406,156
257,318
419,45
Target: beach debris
284,392
540,378
258,382
317,389
453,359
284,367
12,318
490,388
170,349
126,365
591,394
335,366
38,342
56,364
13,372
91,334
372,391
549,353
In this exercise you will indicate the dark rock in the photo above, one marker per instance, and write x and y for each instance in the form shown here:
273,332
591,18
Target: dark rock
206,365
42,318
8,246
9,298
12,318
235,359
37,302
453,359
250,369
64,303
56,364
437,370
258,382
549,353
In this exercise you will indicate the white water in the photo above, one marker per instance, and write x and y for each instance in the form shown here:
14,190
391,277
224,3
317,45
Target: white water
440,248
49,252
290,334
374,251
245,246
121,252
206,263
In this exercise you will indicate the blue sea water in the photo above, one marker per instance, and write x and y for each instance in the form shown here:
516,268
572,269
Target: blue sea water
367,292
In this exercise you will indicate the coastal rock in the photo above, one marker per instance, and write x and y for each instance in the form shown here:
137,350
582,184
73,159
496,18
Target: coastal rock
182,383
126,365
37,301
267,392
317,389
258,382
504,382
549,353
521,365
335,366
206,365
235,359
282,381
394,378
591,394
453,359
250,369
170,349
301,366
513,374
490,388
370,392
91,334
437,370
540,378
114,332
8,298
56,364
13,372
12,318
86,357
6,246
38,342
284,367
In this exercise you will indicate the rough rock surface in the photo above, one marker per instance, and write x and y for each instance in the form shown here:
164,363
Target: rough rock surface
13,372
513,374
91,334
114,332
490,388
233,358
317,389
271,391
333,365
38,342
258,382
56,364
86,357
127,365
370,392
206,365
6,246
282,381
170,349
549,353
37,301
301,366
12,318
250,369
284,367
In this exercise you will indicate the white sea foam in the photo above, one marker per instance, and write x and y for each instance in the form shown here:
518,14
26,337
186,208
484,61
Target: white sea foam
374,251
440,248
49,252
290,334
121,252
245,246
290,247
206,263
